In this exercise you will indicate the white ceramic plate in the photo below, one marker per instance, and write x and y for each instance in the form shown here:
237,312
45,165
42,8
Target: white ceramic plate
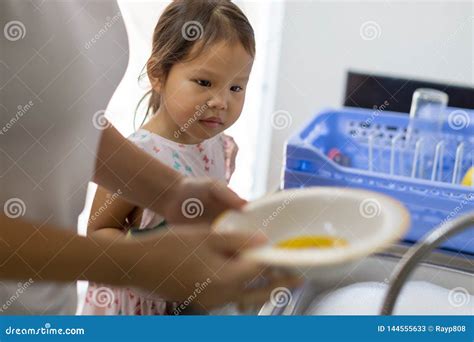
367,220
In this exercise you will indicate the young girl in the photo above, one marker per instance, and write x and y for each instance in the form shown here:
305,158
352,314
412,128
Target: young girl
201,60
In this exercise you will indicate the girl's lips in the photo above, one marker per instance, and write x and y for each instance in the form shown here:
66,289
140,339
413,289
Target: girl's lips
211,123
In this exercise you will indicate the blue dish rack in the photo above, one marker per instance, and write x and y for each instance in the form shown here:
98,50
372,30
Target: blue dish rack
419,162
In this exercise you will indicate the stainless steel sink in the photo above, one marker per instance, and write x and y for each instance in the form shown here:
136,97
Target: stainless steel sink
445,269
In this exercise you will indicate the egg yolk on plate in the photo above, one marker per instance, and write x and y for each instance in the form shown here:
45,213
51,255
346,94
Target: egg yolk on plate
312,241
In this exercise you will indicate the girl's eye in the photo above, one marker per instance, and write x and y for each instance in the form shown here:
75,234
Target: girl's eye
203,83
236,88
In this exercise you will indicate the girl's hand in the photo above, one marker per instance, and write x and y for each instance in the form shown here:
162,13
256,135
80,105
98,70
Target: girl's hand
193,200
230,154
195,263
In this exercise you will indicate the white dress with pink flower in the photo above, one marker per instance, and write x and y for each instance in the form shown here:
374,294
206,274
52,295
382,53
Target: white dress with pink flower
206,159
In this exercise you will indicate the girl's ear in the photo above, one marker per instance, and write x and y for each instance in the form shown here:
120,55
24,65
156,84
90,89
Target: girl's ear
155,79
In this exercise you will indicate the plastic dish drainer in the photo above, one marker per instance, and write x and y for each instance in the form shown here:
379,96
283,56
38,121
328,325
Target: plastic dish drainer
419,162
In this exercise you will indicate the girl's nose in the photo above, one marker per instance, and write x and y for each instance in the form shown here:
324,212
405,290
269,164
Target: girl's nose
218,101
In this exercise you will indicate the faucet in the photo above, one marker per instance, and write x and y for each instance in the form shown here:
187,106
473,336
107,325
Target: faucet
416,253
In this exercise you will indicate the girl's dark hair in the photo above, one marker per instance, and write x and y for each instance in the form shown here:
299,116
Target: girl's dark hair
185,23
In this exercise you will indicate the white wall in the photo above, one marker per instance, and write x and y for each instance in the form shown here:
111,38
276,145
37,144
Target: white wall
322,40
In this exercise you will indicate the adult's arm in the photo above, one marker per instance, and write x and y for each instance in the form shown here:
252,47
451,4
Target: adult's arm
178,259
148,183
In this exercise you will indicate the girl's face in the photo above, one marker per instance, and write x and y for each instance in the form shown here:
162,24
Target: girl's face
204,96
